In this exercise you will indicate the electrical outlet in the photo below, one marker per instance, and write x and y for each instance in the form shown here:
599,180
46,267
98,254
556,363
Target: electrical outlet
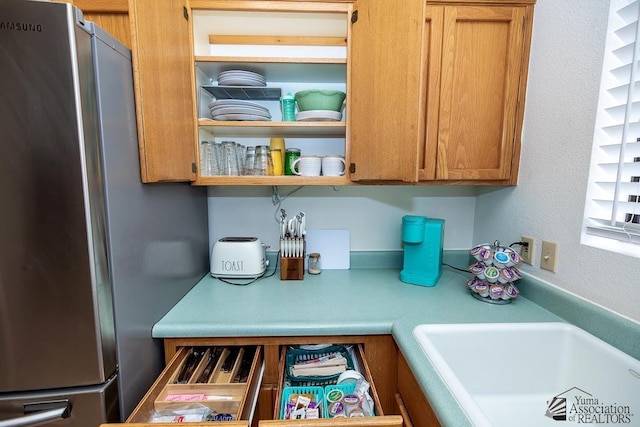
526,252
549,257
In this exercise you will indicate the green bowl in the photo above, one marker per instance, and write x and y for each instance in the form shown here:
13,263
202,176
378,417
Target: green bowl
316,99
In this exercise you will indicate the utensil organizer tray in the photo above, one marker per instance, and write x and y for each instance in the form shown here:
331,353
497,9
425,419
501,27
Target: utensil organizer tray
221,393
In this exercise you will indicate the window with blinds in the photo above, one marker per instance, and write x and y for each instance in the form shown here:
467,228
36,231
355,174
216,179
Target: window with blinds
612,211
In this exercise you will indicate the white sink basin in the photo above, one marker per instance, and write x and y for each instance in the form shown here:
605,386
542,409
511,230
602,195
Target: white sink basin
523,374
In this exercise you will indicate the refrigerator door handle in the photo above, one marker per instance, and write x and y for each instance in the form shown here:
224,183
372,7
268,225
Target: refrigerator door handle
40,413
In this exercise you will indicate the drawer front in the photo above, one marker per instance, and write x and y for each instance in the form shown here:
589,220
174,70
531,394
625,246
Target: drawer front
206,424
224,378
360,361
412,398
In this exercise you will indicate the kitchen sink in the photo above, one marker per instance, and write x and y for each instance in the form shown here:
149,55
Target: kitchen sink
533,374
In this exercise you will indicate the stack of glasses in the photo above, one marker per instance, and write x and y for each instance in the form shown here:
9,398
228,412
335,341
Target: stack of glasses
230,159
225,158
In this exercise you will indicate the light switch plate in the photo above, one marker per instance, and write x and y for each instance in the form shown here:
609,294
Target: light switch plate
549,256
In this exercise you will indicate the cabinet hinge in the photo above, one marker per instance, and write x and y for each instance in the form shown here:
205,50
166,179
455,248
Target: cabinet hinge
354,17
185,12
352,168
194,168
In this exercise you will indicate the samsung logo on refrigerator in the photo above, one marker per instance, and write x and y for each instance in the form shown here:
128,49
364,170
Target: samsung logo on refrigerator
21,26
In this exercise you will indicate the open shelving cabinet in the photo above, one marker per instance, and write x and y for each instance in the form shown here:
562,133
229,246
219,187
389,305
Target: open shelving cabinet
296,46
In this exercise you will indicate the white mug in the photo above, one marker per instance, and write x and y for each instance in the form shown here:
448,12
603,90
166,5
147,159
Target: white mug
307,166
333,165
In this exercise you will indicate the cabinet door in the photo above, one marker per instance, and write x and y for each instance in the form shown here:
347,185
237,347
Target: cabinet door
385,120
432,62
411,396
482,64
163,76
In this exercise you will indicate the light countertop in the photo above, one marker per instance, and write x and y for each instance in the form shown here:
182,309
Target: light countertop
359,301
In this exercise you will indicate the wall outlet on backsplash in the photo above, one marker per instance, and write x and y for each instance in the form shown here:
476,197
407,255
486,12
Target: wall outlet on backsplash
526,252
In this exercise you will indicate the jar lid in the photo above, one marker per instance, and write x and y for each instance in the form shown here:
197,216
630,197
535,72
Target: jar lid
350,377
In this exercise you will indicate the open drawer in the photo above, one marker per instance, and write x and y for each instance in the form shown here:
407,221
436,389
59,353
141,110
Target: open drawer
360,364
225,379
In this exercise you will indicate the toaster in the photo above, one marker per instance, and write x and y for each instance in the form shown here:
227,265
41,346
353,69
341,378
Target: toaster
238,257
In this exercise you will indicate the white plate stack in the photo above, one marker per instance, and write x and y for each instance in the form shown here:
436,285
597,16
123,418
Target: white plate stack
237,109
318,116
241,78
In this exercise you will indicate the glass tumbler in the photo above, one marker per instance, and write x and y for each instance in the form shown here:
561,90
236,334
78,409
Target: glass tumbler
206,158
249,162
216,149
241,153
261,166
229,165
209,158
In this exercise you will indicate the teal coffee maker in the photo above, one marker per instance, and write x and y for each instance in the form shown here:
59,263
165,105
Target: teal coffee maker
422,240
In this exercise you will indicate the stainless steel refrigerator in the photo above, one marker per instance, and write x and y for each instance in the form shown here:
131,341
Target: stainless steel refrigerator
90,258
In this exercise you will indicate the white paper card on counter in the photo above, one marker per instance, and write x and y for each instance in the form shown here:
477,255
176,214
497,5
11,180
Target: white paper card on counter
334,247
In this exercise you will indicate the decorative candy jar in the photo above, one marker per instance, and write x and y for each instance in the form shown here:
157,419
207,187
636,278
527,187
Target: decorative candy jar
494,272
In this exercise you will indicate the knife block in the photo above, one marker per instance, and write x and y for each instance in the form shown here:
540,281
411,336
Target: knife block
292,268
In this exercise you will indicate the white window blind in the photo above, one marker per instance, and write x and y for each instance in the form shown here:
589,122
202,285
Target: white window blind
612,208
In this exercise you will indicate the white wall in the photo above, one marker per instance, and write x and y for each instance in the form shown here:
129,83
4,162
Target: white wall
564,76
373,214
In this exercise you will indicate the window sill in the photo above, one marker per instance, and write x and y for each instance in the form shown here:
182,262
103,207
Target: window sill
609,241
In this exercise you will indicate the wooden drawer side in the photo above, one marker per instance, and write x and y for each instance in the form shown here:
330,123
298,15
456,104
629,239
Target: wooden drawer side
366,372
142,412
253,385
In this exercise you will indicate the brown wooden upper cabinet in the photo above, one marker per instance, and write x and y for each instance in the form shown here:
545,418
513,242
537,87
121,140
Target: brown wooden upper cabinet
180,46
435,92
441,97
